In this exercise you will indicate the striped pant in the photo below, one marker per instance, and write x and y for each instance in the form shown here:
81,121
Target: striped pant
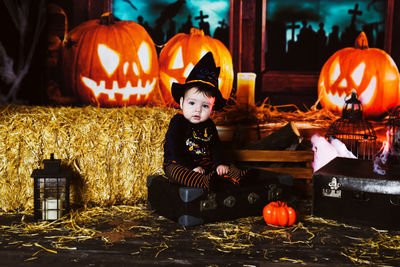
182,175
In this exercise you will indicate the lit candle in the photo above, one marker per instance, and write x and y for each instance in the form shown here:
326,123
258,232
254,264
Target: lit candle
51,209
246,82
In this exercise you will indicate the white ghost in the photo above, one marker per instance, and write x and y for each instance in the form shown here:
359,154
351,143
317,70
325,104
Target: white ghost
325,151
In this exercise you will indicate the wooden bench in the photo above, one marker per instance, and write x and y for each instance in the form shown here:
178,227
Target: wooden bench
277,156
296,163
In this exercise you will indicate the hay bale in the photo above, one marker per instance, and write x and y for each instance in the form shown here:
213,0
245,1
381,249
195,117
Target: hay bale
111,151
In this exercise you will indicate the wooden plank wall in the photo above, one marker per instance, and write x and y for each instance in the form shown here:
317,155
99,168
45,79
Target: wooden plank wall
243,35
84,10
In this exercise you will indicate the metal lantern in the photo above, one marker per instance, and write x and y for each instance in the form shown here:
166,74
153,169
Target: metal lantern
51,190
356,133
394,130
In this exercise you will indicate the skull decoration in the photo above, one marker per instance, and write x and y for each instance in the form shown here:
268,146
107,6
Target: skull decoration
110,63
183,51
371,72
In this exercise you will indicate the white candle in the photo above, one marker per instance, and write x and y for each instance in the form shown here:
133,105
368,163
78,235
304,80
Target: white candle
246,82
51,209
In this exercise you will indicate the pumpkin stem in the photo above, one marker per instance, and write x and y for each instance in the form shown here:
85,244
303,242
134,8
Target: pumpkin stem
107,18
361,41
196,31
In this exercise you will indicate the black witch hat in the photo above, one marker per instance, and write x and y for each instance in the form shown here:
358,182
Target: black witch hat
204,73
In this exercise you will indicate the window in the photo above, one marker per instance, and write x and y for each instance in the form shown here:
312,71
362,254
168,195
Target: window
165,18
302,35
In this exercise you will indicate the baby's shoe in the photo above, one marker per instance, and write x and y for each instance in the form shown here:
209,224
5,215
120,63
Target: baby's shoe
235,175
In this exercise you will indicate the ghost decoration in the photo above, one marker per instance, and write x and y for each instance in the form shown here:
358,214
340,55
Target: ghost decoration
325,151
396,142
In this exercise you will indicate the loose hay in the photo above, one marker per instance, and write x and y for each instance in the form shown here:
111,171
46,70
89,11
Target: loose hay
111,151
267,113
245,236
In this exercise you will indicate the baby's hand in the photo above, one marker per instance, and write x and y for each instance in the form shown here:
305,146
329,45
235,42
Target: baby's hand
222,169
199,170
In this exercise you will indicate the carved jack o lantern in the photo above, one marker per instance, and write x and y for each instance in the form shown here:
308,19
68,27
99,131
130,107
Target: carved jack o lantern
371,72
110,63
183,51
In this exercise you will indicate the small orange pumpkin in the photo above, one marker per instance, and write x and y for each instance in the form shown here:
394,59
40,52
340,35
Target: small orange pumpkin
110,63
371,72
278,213
183,51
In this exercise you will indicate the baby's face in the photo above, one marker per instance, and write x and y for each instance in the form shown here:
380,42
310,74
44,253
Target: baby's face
196,106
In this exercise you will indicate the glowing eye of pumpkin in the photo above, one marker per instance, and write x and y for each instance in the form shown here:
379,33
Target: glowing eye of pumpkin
334,71
178,61
188,70
109,58
144,56
358,74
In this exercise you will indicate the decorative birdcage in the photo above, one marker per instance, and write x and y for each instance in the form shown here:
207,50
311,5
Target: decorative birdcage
351,129
394,130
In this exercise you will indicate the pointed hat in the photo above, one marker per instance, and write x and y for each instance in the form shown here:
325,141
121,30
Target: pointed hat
204,73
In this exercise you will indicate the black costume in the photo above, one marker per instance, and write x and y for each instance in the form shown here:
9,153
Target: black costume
188,146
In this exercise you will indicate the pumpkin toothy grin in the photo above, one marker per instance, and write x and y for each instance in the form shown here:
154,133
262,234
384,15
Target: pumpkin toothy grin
126,91
365,97
370,72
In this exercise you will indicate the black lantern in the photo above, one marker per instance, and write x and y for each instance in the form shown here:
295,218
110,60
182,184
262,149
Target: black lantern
394,130
51,190
356,133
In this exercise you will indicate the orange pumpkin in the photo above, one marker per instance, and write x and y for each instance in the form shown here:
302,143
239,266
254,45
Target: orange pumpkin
278,213
371,72
183,51
110,63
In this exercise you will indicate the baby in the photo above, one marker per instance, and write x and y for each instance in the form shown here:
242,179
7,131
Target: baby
193,153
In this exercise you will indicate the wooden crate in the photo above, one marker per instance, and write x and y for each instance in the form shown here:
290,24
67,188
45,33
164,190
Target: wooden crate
296,163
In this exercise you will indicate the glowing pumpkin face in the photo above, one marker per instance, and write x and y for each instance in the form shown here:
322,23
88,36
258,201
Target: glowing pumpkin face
371,72
111,63
183,51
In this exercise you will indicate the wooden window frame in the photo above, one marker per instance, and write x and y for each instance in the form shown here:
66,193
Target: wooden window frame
248,39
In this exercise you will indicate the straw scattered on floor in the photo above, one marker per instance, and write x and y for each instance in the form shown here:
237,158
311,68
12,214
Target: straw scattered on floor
242,235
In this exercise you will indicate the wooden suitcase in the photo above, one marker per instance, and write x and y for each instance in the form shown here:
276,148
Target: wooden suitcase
348,190
194,206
